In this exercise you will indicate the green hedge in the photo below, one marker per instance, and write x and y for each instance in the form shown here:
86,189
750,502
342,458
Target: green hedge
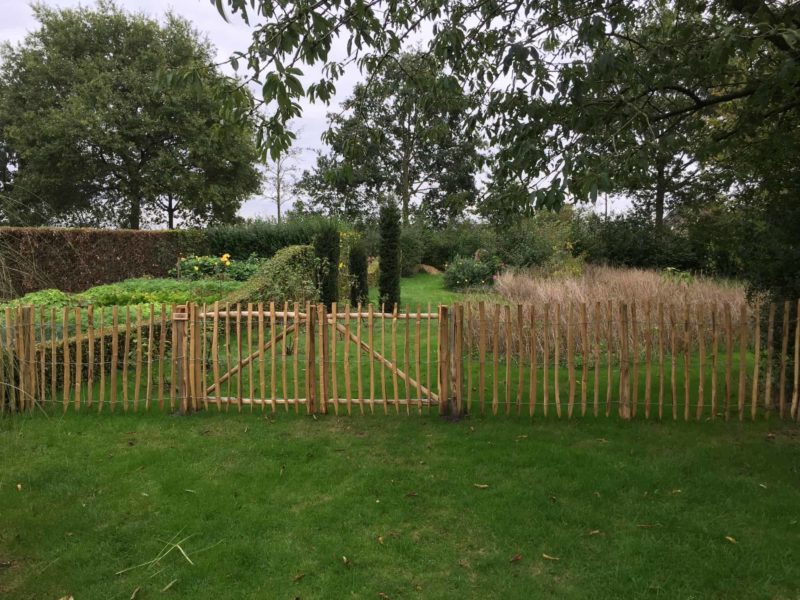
72,260
262,238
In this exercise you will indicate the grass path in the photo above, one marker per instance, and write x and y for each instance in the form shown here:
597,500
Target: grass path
359,507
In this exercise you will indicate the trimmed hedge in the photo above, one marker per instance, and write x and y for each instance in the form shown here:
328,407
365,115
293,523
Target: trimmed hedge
389,274
72,260
262,238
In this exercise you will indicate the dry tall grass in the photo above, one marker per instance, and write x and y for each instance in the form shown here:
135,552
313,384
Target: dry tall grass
658,303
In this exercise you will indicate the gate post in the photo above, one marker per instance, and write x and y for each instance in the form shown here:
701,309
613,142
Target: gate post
449,360
179,317
311,384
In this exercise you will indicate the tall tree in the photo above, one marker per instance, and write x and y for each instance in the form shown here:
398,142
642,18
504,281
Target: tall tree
281,177
403,132
98,141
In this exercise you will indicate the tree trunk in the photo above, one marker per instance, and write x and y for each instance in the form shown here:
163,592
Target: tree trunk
170,213
278,176
135,215
661,189
405,194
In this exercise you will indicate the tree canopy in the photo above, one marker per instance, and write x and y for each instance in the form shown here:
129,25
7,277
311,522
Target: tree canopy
89,137
664,100
403,132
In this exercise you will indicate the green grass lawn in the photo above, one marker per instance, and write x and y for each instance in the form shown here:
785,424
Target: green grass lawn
420,290
296,507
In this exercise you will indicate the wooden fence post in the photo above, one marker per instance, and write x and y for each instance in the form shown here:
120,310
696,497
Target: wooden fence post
450,346
311,384
179,318
443,360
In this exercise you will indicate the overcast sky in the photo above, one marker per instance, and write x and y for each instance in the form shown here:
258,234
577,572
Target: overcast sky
17,19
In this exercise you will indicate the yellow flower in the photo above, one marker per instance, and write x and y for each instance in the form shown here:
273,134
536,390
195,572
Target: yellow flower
196,268
341,266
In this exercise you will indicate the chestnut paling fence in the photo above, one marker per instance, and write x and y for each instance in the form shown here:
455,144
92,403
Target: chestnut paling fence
556,360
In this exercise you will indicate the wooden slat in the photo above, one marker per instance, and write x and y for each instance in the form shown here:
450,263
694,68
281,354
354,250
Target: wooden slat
468,336
533,390
138,366
162,349
239,358
228,354
54,357
597,317
428,357
252,323
273,371
557,359
701,342
796,384
150,342
570,361
309,362
443,369
262,375
384,395
284,376
187,402
584,357
634,352
482,355
10,329
624,395
395,385
322,319
215,356
359,377
296,361
714,360
371,342
101,397
174,371
458,364
78,356
43,357
334,377
203,362
406,358
66,358
546,359
348,389
742,359
784,358
756,361
495,359
673,360
417,361
509,357
728,359
126,350
648,357
770,358
686,350
610,347
520,356
661,334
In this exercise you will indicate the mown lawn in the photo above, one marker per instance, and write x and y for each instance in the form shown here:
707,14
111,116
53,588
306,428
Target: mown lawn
396,507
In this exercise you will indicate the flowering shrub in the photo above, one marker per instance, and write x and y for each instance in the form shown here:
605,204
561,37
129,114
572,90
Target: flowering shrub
213,267
470,272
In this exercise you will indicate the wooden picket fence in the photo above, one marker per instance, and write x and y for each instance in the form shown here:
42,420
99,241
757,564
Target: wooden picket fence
564,360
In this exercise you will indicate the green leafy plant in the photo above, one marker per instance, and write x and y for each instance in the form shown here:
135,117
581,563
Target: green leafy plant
292,275
359,286
326,246
465,273
389,276
222,267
